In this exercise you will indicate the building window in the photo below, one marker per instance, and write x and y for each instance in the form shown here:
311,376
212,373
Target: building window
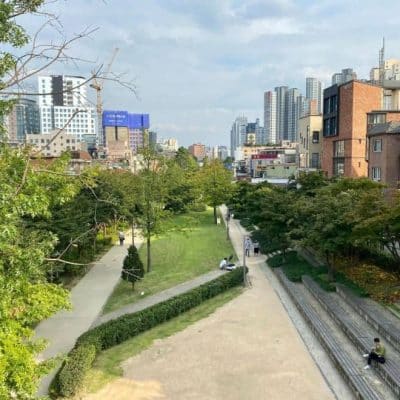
376,119
326,106
376,173
332,124
315,137
338,148
338,166
333,104
377,145
315,160
327,131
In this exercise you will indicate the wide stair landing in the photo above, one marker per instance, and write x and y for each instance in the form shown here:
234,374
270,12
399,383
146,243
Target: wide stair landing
345,336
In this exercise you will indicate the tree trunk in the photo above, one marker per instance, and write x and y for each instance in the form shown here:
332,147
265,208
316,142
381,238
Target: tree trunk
133,285
148,254
133,233
330,268
215,215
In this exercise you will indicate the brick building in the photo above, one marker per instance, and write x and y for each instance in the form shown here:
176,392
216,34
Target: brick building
345,127
198,150
384,152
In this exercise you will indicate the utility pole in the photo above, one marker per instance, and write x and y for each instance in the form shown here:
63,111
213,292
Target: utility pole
244,261
228,217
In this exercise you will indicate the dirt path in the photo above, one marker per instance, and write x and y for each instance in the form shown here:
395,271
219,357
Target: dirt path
248,349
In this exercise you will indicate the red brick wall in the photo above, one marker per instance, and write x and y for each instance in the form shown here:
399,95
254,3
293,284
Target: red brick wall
356,100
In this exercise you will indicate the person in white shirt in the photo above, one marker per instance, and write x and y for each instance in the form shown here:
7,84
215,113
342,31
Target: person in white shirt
225,265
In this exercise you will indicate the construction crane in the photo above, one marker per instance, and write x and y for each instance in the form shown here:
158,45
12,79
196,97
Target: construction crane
98,84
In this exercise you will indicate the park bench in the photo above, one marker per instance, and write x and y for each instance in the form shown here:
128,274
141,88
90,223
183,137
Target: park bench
389,371
373,314
342,361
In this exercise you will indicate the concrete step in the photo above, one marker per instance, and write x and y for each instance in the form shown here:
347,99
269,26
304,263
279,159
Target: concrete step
342,360
360,335
376,316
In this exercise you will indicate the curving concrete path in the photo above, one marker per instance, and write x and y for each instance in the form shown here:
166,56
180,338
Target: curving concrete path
88,298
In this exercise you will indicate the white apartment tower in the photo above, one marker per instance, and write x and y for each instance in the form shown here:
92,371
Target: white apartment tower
281,113
270,116
314,92
238,133
293,96
60,96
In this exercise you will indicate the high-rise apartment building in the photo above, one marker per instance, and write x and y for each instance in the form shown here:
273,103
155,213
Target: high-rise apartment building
24,119
346,75
270,116
281,112
293,99
238,133
60,97
314,92
62,90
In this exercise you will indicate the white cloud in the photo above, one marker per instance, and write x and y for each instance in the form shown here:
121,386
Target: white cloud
200,63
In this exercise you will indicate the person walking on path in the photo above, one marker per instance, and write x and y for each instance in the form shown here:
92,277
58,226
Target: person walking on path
247,246
121,237
377,353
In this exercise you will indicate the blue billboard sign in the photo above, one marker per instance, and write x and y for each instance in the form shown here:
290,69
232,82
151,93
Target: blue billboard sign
115,118
123,118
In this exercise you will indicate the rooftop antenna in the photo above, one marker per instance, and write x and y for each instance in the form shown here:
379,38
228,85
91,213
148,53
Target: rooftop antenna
382,63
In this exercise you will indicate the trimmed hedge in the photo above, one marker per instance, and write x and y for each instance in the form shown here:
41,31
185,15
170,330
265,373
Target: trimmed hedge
81,358
79,362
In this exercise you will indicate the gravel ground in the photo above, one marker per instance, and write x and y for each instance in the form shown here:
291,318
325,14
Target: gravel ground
248,349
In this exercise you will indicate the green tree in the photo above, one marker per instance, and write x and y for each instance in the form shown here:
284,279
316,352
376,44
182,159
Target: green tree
26,298
216,183
27,193
327,221
180,174
152,197
133,269
270,210
377,223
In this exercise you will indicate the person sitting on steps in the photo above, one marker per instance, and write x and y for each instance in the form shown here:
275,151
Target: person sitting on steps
377,353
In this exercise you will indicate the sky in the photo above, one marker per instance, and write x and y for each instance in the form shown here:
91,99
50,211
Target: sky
198,64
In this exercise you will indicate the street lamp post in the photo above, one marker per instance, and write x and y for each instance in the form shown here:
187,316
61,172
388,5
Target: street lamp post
228,217
244,261
133,232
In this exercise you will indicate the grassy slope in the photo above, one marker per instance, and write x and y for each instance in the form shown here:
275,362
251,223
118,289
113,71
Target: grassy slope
107,365
194,247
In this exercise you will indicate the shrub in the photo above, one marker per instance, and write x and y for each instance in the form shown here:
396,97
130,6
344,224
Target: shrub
275,261
132,269
381,285
197,207
113,332
73,370
295,267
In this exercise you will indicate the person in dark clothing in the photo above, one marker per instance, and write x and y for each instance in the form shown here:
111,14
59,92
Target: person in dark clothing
377,353
121,237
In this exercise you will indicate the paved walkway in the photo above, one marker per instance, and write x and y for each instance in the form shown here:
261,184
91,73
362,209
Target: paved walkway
87,298
159,297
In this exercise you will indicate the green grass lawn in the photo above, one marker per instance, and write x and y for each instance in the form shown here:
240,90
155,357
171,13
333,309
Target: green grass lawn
193,247
107,366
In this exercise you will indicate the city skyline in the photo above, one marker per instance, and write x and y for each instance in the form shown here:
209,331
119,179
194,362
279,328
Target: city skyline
198,66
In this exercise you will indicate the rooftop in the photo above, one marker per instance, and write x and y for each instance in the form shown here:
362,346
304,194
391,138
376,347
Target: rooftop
390,128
